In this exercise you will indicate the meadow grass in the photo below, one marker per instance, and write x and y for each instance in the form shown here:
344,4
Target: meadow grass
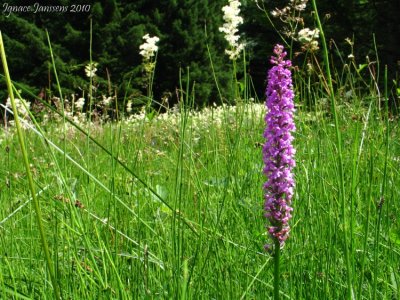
122,242
172,206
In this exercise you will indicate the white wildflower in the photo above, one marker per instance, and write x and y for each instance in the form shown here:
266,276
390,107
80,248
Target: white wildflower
230,28
107,100
149,47
298,5
235,52
306,35
80,103
45,118
91,69
21,105
349,41
129,106
313,46
310,68
283,13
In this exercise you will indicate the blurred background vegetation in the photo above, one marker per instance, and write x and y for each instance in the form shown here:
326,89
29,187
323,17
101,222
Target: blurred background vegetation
189,36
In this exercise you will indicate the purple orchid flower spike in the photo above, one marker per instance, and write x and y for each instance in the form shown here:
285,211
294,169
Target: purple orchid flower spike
278,152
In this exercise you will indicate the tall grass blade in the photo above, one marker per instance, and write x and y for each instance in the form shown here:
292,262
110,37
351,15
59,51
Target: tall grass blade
31,184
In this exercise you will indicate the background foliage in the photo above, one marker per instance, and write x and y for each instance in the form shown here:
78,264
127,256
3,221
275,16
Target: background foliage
185,29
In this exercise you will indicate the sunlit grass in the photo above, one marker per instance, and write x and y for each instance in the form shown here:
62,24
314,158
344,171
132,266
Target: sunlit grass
120,241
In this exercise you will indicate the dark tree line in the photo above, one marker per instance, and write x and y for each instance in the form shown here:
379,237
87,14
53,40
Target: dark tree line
189,36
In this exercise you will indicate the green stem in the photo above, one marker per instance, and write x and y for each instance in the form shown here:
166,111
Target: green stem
61,97
277,258
88,152
38,212
383,188
350,294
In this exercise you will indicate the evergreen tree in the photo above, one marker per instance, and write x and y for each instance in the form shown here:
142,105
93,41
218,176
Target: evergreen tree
185,28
